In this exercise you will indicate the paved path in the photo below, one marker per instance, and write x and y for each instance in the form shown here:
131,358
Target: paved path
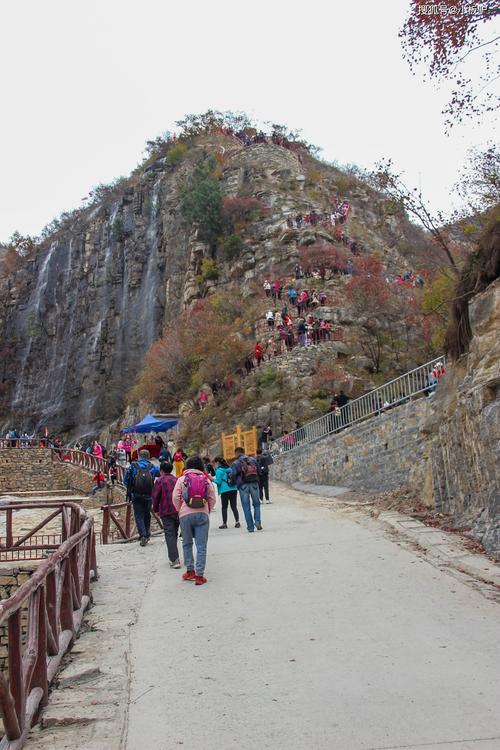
325,631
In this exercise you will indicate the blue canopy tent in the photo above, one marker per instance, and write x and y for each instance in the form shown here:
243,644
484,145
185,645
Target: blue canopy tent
151,424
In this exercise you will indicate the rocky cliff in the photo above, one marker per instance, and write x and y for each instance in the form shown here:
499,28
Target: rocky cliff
461,472
81,312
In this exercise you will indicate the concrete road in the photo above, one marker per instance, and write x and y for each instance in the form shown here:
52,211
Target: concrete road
318,633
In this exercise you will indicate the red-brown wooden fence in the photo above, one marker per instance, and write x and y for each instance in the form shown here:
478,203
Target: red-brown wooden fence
54,599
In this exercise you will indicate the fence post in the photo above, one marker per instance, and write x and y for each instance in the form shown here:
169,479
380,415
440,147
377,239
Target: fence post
15,660
8,532
105,524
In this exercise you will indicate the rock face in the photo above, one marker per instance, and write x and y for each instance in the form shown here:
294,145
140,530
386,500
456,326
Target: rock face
80,316
463,435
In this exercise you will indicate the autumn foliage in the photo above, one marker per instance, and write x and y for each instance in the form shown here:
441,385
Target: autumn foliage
324,254
204,344
238,211
443,35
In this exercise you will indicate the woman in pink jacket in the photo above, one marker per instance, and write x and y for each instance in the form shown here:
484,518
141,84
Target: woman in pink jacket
97,449
193,498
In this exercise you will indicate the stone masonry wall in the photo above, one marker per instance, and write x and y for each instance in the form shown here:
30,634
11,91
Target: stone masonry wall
32,470
375,456
29,470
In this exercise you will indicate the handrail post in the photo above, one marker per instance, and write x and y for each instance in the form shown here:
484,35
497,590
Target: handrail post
15,661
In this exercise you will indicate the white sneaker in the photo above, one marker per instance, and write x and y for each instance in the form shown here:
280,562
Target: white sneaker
175,564
268,502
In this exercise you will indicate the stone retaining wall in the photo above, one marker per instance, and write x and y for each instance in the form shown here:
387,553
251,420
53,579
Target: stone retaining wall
375,456
32,470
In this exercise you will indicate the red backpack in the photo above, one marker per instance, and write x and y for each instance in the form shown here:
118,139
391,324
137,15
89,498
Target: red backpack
195,489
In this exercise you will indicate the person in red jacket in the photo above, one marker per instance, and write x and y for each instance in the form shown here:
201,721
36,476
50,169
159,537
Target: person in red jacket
259,353
165,508
98,480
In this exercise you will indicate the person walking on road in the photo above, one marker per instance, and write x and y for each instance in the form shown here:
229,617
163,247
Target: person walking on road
245,474
165,508
228,493
194,498
139,480
264,460
179,458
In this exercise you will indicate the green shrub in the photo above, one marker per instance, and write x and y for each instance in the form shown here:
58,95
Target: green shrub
201,202
176,153
209,270
232,246
321,404
270,377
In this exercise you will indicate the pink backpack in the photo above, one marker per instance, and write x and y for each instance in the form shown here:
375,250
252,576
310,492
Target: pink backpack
195,490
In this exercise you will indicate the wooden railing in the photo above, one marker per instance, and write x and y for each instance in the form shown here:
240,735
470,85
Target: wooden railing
86,461
54,600
120,516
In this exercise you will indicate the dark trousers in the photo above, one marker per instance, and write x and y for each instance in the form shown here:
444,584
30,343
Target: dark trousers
264,486
230,498
171,530
142,513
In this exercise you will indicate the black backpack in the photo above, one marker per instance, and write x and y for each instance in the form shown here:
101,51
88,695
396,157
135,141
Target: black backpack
143,481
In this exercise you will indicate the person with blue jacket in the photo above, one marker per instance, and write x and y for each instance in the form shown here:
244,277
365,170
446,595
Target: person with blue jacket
228,493
139,481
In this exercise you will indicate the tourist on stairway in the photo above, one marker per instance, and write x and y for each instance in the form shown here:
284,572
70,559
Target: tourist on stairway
266,437
139,480
194,498
163,505
227,492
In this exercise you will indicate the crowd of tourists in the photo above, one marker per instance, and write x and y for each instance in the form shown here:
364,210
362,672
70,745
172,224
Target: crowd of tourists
183,492
338,215
408,279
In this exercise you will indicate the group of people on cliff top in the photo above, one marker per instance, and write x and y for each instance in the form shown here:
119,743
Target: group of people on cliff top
338,215
182,491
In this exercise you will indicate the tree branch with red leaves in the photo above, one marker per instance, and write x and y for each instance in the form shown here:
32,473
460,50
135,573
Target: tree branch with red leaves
442,36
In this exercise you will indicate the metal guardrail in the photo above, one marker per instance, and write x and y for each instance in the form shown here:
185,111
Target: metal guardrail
394,393
43,616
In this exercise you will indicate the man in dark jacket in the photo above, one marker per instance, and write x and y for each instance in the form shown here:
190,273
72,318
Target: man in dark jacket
264,460
245,473
164,506
139,481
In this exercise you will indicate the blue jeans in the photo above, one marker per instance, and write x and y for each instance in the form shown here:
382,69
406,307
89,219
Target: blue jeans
142,513
195,525
247,491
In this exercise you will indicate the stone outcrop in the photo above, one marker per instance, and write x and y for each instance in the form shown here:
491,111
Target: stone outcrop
461,468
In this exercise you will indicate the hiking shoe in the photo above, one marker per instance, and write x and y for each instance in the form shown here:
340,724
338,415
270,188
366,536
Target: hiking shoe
237,525
224,526
258,526
143,541
176,564
188,575
200,580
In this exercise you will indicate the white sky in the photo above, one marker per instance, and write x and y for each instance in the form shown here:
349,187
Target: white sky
85,84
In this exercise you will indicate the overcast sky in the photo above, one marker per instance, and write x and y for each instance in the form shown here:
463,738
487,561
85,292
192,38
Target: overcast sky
85,84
